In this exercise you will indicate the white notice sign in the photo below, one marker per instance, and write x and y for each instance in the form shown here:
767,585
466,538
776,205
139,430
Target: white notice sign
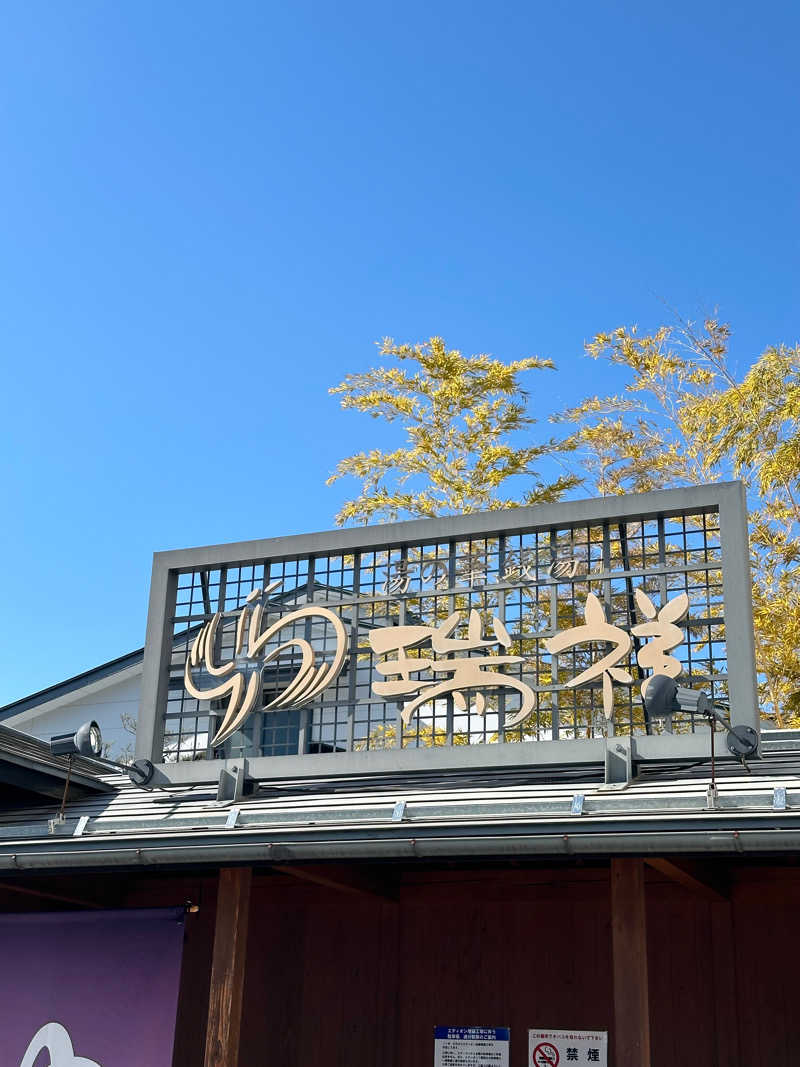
471,1046
559,1048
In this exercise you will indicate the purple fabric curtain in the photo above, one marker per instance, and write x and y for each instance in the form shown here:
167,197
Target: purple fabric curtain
90,988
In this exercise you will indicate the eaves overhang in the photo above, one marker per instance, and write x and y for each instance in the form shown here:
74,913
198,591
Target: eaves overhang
468,825
249,848
29,769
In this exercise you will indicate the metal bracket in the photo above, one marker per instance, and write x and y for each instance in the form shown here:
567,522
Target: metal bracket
231,781
618,761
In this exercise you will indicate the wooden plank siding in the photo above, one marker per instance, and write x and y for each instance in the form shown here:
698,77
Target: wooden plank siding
335,979
680,975
767,948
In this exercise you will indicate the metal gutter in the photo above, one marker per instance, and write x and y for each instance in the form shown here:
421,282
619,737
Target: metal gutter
722,832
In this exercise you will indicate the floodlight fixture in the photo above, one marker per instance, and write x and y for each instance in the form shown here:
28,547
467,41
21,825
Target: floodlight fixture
87,741
664,698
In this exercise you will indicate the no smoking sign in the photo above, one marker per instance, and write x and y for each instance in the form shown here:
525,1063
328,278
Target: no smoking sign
546,1055
562,1048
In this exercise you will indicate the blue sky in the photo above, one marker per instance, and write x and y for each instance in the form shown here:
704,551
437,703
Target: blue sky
211,212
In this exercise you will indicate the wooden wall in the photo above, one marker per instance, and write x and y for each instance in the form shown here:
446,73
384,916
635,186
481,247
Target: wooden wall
344,981
334,978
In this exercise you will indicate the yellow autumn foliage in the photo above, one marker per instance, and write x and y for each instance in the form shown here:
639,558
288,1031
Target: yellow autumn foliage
683,417
461,416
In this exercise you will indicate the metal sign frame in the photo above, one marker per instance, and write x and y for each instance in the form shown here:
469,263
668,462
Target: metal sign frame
725,499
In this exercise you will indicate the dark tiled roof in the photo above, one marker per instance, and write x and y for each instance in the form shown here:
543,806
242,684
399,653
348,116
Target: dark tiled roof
28,770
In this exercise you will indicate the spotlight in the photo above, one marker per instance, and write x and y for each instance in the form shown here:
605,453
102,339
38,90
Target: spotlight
659,696
664,697
88,741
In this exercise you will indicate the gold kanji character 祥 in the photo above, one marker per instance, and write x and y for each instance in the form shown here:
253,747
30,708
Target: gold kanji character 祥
468,672
661,626
666,635
597,628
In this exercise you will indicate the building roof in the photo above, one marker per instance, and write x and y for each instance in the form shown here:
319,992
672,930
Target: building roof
30,773
75,684
521,814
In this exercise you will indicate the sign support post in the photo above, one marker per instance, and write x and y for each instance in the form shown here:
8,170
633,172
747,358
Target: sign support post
228,967
629,946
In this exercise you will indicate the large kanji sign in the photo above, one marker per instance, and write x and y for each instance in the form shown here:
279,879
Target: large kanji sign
537,624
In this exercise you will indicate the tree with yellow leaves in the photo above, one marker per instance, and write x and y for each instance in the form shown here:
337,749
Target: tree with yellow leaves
684,417
465,420
460,415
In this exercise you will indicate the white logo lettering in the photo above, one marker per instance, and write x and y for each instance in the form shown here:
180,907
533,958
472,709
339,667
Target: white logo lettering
54,1038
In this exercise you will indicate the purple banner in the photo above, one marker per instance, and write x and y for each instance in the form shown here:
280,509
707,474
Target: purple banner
90,989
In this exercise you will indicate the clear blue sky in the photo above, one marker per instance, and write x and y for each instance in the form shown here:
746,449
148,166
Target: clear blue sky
211,211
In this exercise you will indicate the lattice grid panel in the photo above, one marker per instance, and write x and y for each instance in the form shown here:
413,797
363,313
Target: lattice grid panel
535,582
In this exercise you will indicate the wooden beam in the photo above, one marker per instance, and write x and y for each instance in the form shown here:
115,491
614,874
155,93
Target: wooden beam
344,880
698,877
12,887
629,943
227,967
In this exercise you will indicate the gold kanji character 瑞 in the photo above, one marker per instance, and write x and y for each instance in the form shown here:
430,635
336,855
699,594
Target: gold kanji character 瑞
467,671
